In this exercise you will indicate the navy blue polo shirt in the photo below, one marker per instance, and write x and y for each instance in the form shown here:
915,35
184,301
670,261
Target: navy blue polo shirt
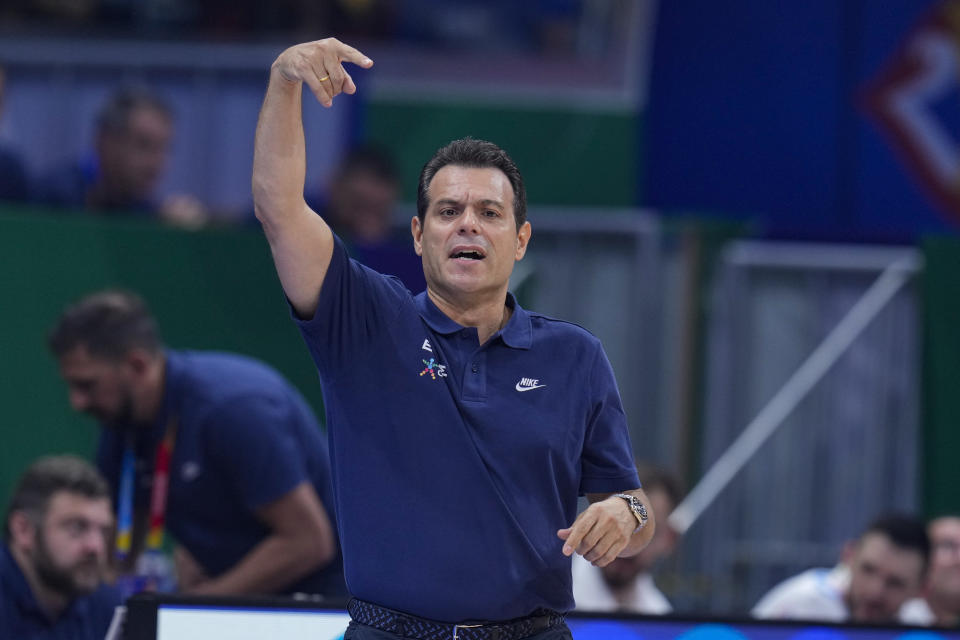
455,463
86,618
245,438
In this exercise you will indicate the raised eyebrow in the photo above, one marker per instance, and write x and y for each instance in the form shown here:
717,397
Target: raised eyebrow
492,203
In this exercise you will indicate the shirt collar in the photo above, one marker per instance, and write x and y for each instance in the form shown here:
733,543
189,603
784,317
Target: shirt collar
15,582
517,333
173,380
172,377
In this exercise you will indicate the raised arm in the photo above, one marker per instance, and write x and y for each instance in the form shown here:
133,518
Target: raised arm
301,242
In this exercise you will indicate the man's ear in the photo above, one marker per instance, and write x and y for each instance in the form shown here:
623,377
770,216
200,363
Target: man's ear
136,367
671,536
416,230
523,238
23,531
849,552
138,361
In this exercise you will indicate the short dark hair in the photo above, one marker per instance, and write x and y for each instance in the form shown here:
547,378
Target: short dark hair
904,531
50,475
108,323
654,478
477,154
370,158
114,115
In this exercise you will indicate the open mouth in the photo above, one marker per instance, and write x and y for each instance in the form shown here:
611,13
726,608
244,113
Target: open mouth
467,255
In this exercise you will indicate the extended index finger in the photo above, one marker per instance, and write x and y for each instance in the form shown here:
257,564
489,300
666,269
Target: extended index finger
581,527
349,54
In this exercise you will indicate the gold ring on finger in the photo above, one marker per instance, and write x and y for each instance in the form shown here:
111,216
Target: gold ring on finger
324,78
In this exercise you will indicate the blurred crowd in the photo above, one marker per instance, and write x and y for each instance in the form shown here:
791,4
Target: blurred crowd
119,176
562,27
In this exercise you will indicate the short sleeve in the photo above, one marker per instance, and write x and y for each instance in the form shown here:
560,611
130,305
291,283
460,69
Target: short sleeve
607,463
354,306
251,443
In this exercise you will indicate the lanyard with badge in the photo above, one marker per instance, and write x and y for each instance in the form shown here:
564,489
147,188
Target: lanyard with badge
153,571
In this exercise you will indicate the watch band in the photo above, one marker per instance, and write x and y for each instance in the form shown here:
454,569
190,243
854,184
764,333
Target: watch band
639,511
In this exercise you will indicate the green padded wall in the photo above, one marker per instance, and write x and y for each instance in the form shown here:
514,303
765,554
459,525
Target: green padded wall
941,376
567,157
209,290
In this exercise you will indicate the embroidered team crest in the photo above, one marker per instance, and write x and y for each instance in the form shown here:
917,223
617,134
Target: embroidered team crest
434,368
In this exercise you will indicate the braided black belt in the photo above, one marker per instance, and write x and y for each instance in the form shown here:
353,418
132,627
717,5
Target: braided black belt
408,626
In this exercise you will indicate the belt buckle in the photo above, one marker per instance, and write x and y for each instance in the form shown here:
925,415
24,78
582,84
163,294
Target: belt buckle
463,626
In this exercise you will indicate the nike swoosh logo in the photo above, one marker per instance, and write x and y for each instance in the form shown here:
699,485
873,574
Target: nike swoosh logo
522,388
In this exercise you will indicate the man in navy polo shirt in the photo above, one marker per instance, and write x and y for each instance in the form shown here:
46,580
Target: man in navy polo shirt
54,555
247,473
462,427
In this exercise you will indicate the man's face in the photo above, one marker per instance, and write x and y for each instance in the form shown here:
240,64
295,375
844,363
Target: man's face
623,571
363,203
70,548
132,161
944,576
469,239
98,387
882,577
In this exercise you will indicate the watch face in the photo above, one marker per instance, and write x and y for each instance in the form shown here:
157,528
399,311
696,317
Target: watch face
636,506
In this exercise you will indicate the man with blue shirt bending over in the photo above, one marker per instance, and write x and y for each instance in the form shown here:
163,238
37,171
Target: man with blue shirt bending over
462,426
237,448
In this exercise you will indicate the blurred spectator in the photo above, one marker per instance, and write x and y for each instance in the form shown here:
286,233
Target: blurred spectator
359,206
132,146
545,26
13,177
61,12
877,575
566,28
239,449
626,584
940,604
54,557
351,19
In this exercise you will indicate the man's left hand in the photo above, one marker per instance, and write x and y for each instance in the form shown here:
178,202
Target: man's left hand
601,532
190,575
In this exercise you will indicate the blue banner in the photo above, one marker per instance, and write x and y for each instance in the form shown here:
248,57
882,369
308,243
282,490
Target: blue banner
822,120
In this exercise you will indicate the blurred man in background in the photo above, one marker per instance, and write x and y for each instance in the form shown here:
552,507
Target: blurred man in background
240,451
626,584
940,604
134,130
13,177
362,195
359,206
55,554
877,575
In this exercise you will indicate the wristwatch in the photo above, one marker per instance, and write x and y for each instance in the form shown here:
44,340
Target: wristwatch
637,508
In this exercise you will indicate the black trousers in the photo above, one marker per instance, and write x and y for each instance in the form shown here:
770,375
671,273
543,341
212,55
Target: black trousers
357,631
